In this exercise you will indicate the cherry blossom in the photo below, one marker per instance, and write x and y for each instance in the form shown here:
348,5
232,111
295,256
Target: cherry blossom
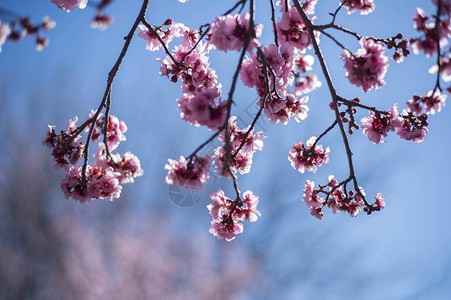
69,5
227,214
377,125
368,66
188,174
291,29
413,128
307,84
433,102
428,43
445,69
240,161
100,183
172,30
128,164
307,158
204,109
67,147
101,21
312,200
365,6
229,33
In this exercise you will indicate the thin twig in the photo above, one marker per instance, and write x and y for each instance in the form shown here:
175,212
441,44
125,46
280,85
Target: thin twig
111,76
274,23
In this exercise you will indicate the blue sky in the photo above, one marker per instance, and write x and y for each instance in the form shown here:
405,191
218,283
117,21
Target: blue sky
401,252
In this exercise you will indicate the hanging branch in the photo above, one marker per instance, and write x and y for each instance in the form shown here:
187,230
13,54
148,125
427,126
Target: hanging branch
334,96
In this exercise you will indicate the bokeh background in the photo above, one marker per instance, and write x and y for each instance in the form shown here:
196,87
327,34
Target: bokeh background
148,245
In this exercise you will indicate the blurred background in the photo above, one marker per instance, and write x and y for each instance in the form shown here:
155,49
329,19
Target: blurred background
153,242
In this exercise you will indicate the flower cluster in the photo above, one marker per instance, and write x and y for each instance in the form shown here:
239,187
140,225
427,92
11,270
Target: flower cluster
241,149
338,199
307,83
86,183
24,27
432,102
99,183
114,131
101,20
292,30
127,165
67,147
201,104
188,174
401,47
445,69
228,214
411,125
365,6
377,125
229,33
368,66
167,32
308,158
254,73
426,25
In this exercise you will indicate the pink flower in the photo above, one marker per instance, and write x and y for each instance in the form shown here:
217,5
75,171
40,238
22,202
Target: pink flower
226,214
72,187
296,107
365,6
291,29
413,127
100,183
115,131
41,43
304,63
226,231
368,66
4,32
376,126
188,174
414,105
229,33
251,201
69,5
428,43
445,69
433,102
312,200
167,34
253,75
203,109
128,165
67,148
108,183
275,110
307,159
380,202
217,208
242,161
48,24
306,84
197,76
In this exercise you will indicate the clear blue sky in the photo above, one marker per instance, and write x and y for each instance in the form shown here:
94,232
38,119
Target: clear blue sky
401,252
